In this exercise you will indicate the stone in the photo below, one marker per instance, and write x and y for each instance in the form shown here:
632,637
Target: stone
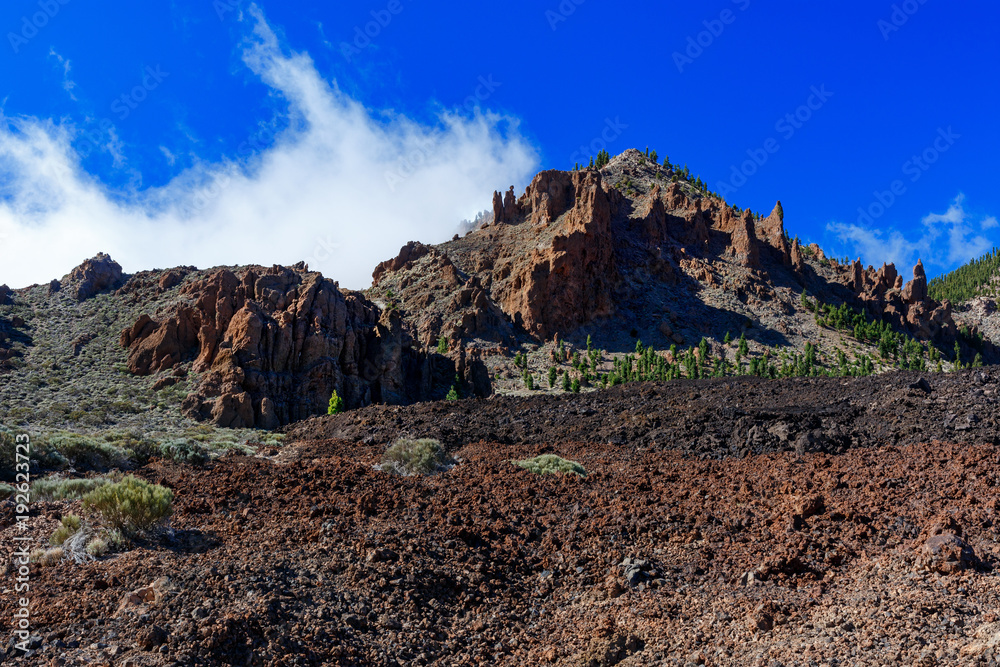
743,245
98,274
916,290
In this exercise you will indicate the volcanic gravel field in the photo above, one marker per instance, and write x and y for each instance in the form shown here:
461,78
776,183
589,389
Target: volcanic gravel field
729,522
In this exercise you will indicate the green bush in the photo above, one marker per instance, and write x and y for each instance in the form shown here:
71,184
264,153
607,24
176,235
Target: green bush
97,547
550,463
55,488
42,454
87,453
184,451
336,405
415,457
131,505
70,524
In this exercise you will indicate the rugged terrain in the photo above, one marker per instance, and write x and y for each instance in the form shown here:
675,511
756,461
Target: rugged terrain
838,551
783,494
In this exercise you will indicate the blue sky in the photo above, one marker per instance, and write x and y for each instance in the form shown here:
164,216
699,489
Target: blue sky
227,131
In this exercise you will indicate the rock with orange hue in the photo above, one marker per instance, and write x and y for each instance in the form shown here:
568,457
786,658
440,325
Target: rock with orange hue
408,254
271,344
773,234
916,290
98,274
795,255
743,245
550,194
564,280
885,278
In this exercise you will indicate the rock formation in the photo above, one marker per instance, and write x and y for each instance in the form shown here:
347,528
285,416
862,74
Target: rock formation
916,290
563,281
272,344
773,234
743,246
99,274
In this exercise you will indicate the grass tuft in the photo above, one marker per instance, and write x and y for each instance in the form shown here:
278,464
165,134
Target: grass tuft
546,464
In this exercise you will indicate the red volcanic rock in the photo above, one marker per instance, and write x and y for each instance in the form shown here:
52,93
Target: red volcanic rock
773,233
408,254
564,280
886,277
944,550
916,290
550,194
172,278
856,280
505,207
272,344
98,274
743,245
795,255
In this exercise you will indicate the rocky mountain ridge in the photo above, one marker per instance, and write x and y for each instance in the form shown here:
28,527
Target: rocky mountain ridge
626,252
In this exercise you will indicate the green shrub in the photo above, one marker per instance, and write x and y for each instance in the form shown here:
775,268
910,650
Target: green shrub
97,547
87,453
137,447
415,457
42,454
550,463
442,345
184,451
55,488
70,524
336,405
131,505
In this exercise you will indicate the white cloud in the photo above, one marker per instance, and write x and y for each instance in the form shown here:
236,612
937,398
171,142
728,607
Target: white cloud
68,84
949,240
875,246
342,188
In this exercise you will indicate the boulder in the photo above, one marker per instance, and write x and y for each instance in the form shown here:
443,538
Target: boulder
98,274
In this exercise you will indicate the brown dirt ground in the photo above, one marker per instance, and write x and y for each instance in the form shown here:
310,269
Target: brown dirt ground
782,556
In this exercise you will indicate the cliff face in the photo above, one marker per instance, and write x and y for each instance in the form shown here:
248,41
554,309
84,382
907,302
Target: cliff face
271,345
584,247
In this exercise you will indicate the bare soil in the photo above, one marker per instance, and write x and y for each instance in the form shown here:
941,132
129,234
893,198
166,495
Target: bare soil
858,531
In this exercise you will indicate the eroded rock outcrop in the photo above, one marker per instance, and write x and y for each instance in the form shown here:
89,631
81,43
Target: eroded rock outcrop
272,344
98,274
565,279
743,246
773,234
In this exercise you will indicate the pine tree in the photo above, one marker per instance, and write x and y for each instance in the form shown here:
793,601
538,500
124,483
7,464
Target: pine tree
728,339
455,392
442,345
743,349
575,387
336,405
565,382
